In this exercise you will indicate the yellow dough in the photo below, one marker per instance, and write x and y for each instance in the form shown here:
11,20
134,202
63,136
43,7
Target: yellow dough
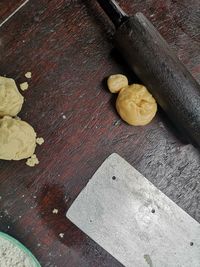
10,98
117,82
32,161
136,105
17,139
39,140
23,86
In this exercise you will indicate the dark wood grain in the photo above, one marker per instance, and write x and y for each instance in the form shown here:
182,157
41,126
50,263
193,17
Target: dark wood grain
66,45
8,7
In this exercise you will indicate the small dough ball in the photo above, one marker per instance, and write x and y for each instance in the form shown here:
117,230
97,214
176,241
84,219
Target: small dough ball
136,105
117,82
10,98
17,139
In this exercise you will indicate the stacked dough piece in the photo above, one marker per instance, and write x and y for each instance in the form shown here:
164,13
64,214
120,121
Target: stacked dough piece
17,137
134,104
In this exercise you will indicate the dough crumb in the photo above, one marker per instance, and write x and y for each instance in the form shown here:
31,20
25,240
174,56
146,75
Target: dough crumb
28,75
39,140
64,117
55,211
24,86
61,235
32,161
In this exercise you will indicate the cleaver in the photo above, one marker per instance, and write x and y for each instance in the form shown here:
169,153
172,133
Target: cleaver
132,220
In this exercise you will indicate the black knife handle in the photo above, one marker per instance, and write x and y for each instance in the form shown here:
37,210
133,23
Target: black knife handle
151,58
114,12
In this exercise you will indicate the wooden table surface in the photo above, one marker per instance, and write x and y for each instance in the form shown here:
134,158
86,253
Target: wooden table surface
67,45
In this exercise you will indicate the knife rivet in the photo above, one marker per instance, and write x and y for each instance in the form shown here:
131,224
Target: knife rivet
114,177
191,243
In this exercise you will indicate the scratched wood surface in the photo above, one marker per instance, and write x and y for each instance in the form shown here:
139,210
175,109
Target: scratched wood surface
68,47
8,7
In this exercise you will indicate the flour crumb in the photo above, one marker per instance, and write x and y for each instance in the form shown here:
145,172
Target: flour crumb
34,197
64,117
22,195
28,75
31,162
55,211
39,140
39,245
24,86
8,227
61,235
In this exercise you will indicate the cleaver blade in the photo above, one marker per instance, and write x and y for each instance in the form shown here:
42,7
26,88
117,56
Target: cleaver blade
134,221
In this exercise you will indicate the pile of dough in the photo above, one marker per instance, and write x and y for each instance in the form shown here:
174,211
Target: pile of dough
11,100
17,139
134,104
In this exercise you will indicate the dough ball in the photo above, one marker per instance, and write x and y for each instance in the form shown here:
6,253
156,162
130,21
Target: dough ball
17,139
136,105
117,82
10,98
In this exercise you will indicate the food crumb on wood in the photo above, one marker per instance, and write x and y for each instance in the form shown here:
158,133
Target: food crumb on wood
55,211
38,244
22,195
28,75
8,227
24,86
32,161
61,235
64,117
34,197
39,140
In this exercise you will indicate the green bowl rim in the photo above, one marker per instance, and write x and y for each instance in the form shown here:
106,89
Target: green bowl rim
21,246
